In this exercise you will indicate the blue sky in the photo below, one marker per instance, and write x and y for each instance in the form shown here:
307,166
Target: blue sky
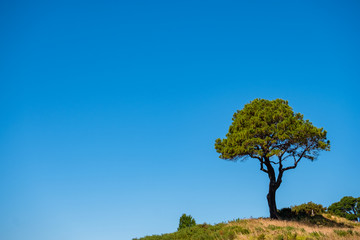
110,110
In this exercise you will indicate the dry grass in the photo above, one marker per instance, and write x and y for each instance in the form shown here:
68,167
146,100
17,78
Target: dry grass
267,229
304,228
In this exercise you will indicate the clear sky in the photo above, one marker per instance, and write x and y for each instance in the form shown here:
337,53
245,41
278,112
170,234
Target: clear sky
110,110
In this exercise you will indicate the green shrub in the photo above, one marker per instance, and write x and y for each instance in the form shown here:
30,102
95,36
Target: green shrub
286,213
186,221
261,237
341,233
309,209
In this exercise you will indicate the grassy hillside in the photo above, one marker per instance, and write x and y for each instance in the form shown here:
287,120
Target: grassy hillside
323,226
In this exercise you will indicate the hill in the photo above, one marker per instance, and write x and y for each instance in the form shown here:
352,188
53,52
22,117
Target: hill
323,226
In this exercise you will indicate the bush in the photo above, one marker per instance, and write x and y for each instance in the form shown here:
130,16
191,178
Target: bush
311,212
309,209
286,213
186,221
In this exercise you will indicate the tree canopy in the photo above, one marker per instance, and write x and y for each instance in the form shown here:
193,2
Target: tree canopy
186,221
269,130
347,207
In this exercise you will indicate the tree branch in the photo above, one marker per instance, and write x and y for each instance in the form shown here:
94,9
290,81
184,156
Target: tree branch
286,157
296,161
262,167
261,163
257,157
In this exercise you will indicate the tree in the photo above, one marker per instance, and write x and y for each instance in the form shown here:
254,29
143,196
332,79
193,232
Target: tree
272,133
186,221
347,207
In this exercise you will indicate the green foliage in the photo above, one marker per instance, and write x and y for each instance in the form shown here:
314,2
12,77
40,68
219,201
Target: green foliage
273,227
347,207
204,232
261,237
310,209
317,235
311,214
291,236
279,237
343,233
259,229
271,128
306,210
186,221
290,228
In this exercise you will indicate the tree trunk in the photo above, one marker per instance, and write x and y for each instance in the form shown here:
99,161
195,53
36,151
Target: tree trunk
271,201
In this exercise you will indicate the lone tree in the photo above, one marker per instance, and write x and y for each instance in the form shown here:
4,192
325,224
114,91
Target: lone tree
272,133
186,221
